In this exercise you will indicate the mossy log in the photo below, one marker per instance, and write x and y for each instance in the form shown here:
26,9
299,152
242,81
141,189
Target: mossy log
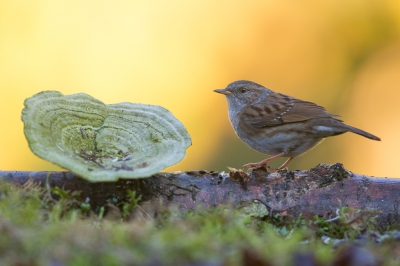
319,191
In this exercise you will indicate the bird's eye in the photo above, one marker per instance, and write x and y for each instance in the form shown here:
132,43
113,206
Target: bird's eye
242,90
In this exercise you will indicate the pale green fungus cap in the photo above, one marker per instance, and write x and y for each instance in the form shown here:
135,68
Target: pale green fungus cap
102,142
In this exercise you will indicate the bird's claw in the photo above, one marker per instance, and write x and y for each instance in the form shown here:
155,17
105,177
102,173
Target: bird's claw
253,166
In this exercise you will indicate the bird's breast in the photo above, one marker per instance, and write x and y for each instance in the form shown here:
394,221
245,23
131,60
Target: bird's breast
292,138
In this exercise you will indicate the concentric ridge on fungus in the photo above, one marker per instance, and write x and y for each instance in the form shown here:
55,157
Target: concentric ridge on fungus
102,142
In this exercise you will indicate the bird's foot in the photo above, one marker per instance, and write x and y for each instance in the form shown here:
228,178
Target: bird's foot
249,165
253,166
282,169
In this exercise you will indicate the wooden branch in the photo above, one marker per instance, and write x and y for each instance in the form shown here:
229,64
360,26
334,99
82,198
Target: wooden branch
318,191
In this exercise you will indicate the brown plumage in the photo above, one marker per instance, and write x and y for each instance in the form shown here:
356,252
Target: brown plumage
279,124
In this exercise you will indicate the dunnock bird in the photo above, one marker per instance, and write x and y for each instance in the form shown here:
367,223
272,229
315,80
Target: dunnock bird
279,124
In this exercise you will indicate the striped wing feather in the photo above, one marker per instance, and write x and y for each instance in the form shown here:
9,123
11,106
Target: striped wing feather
278,109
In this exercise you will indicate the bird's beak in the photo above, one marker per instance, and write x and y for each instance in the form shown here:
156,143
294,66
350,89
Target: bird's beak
223,91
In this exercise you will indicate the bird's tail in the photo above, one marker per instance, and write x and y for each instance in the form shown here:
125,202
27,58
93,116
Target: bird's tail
362,133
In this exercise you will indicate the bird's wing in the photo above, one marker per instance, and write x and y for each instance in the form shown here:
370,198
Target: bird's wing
277,109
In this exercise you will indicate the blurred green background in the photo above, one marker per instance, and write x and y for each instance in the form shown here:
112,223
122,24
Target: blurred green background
344,55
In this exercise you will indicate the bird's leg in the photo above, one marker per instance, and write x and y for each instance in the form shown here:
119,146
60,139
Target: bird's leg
285,163
264,162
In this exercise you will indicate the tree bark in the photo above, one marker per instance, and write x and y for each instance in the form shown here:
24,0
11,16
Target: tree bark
319,191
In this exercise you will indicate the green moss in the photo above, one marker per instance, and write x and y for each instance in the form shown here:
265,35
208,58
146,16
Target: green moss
52,226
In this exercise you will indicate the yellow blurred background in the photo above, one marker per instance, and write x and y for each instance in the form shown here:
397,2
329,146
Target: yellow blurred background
344,55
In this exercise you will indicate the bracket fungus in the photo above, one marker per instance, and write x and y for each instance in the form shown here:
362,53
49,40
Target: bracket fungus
102,142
